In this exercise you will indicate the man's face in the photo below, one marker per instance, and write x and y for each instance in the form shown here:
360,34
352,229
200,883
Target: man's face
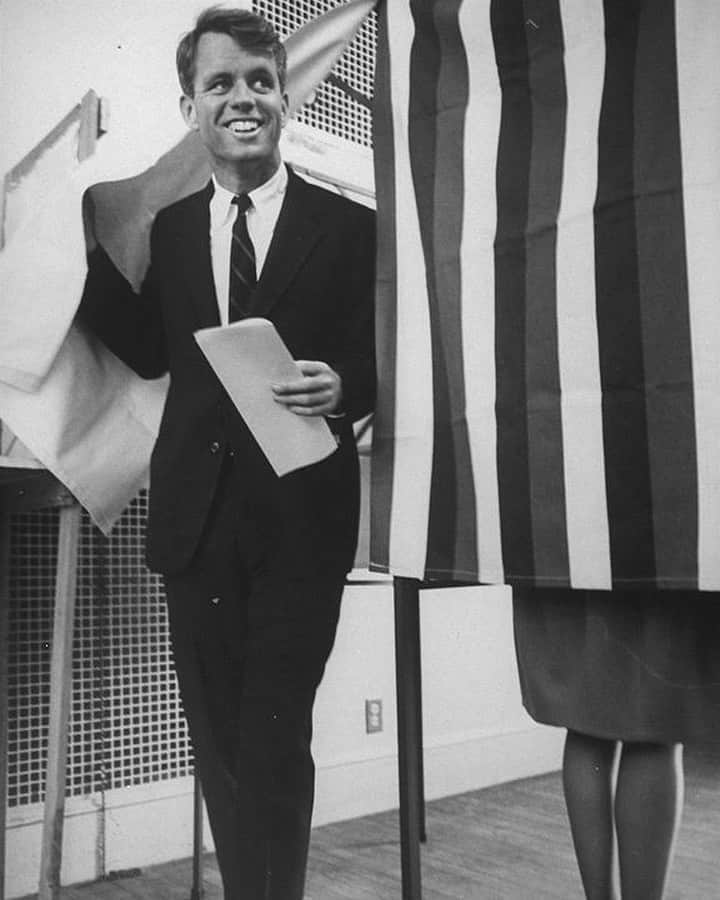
238,109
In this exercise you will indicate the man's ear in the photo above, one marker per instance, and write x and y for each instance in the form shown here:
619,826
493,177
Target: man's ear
285,110
187,109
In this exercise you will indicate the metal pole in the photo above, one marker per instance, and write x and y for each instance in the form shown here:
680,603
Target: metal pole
407,616
198,891
4,653
415,647
60,700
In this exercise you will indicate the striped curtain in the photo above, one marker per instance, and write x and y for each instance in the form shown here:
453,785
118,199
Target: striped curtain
548,184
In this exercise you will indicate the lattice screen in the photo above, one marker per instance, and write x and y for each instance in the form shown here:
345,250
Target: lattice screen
127,726
333,110
32,554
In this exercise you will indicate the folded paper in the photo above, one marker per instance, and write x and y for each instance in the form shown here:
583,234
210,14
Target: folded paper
249,357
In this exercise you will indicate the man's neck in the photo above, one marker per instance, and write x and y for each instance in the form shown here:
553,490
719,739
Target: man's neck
250,178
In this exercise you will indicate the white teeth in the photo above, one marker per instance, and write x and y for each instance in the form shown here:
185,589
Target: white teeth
242,126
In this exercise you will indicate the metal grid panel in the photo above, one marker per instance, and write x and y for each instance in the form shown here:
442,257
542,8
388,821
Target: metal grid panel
332,110
126,725
33,550
146,733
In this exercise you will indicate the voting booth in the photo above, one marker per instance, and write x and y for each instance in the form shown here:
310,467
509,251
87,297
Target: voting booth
547,177
548,184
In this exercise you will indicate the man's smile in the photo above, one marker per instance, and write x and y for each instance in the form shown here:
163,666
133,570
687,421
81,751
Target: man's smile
243,126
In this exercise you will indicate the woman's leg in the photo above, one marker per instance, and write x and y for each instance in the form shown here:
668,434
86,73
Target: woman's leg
588,782
648,805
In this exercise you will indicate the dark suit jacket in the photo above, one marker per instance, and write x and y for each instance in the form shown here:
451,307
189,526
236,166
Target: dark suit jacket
317,287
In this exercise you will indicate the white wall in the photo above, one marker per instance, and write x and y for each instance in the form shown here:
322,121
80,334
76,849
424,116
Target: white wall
476,733
53,51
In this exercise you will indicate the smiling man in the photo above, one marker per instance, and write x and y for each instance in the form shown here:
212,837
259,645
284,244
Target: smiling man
254,565
235,100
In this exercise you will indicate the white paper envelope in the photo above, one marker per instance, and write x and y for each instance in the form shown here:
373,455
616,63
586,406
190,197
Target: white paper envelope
248,357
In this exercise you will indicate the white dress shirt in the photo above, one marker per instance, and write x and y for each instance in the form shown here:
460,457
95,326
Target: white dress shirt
262,217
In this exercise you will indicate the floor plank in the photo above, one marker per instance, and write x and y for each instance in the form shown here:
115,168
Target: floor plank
509,842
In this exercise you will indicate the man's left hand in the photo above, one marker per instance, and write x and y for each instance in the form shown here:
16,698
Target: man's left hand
318,392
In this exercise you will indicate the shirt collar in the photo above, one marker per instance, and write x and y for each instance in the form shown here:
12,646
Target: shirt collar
221,202
267,192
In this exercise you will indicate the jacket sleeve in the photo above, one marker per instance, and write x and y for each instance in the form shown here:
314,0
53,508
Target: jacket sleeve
354,359
129,324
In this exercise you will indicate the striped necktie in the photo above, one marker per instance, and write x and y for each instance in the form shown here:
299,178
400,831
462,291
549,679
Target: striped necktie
243,277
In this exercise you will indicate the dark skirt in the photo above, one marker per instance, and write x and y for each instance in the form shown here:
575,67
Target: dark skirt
624,665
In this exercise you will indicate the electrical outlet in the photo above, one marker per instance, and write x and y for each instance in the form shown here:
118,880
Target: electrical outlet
373,716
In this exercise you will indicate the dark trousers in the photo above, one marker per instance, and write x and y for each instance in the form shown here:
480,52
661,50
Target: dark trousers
250,649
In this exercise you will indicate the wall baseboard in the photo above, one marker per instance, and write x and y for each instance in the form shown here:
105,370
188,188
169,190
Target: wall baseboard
153,824
453,765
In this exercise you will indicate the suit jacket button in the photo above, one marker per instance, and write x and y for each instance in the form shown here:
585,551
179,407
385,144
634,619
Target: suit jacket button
215,601
214,447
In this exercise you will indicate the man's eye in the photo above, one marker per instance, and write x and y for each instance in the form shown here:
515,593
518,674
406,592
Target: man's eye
219,86
263,83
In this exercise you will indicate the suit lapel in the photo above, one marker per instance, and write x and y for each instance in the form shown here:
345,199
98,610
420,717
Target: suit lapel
195,261
296,233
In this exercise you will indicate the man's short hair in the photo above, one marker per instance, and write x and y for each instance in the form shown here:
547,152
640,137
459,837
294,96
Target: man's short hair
250,31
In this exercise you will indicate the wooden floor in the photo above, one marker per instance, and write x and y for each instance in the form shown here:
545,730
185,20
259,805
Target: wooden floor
509,842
